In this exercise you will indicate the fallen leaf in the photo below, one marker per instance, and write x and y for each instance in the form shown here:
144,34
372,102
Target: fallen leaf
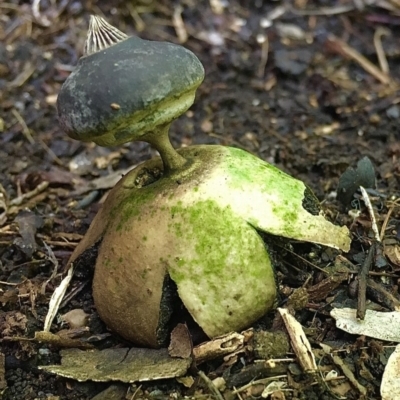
119,364
12,323
377,324
76,318
393,254
186,381
390,386
28,222
181,342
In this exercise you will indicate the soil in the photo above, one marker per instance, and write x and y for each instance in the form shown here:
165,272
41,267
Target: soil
302,84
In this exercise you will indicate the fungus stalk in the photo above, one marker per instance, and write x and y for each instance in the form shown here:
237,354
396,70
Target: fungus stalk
159,139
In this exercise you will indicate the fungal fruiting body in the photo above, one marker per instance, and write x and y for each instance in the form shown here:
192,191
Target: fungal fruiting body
199,227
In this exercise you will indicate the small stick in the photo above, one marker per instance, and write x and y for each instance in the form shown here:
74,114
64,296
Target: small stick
345,369
8,283
239,395
344,49
139,23
210,385
386,221
262,381
26,73
362,277
50,152
25,130
335,10
42,19
382,296
136,392
179,25
379,49
370,209
362,283
38,189
263,40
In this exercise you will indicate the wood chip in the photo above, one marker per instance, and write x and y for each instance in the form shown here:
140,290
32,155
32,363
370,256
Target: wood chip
300,344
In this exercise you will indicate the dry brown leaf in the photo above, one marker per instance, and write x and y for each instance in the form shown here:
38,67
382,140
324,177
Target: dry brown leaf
181,342
12,323
393,254
76,318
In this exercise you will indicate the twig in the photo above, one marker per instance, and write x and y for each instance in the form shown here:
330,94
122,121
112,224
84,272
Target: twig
345,369
38,189
238,395
8,283
370,209
9,6
257,382
344,49
378,293
264,42
379,49
52,258
136,392
362,282
322,380
179,25
342,9
257,370
305,261
25,74
362,277
139,23
25,129
386,221
41,19
50,152
210,385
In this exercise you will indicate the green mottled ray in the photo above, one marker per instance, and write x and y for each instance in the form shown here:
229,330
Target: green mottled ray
225,263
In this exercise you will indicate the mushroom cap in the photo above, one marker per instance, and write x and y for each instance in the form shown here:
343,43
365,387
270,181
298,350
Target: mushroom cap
118,94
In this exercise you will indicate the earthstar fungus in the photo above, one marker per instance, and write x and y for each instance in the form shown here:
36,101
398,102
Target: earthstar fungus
192,216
